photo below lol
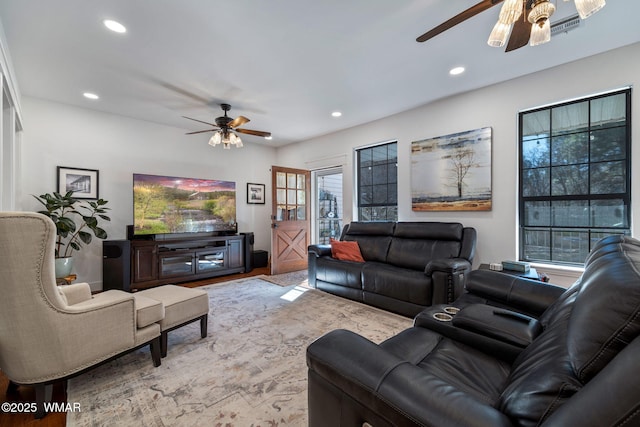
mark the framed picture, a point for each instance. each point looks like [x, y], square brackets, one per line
[452, 172]
[83, 182]
[255, 194]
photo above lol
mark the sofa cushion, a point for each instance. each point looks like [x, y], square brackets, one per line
[373, 238]
[346, 251]
[451, 361]
[343, 273]
[398, 283]
[415, 244]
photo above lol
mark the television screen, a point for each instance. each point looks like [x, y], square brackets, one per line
[167, 204]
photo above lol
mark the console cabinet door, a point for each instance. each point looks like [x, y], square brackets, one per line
[145, 263]
[235, 253]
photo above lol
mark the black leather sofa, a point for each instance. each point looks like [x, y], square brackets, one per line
[579, 369]
[408, 265]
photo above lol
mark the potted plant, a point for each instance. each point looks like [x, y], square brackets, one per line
[64, 210]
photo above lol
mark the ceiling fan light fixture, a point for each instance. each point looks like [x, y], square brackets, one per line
[510, 12]
[540, 33]
[541, 11]
[586, 8]
[499, 34]
[215, 139]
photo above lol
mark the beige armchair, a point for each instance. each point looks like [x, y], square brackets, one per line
[50, 333]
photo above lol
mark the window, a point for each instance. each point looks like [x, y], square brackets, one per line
[575, 177]
[377, 174]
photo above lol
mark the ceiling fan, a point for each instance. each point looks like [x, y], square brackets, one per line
[225, 129]
[526, 20]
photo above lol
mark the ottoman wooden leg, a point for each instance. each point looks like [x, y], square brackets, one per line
[204, 321]
[163, 343]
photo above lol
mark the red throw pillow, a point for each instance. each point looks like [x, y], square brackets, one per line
[346, 251]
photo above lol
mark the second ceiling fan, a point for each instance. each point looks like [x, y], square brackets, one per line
[520, 21]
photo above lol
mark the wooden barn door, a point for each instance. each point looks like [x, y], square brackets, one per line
[290, 223]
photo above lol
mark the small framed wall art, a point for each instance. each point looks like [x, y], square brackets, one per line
[83, 182]
[255, 194]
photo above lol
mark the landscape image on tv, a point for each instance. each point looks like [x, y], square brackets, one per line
[167, 204]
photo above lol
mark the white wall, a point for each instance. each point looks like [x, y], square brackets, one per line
[61, 135]
[495, 106]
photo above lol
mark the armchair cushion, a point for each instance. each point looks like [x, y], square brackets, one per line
[75, 293]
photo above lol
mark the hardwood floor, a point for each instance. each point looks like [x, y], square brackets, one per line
[59, 419]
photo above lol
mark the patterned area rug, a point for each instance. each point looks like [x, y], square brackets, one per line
[249, 371]
[298, 278]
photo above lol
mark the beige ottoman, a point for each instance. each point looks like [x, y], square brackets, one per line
[181, 306]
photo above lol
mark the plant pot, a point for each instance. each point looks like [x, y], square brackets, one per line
[63, 267]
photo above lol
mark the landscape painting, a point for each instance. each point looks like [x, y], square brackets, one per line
[452, 172]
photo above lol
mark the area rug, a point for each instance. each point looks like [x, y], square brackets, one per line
[249, 371]
[299, 278]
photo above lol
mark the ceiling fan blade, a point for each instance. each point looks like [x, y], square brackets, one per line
[519, 34]
[238, 121]
[461, 17]
[253, 132]
[201, 131]
[196, 120]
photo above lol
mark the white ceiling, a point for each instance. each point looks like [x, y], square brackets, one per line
[285, 64]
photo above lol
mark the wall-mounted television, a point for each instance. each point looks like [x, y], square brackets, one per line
[173, 205]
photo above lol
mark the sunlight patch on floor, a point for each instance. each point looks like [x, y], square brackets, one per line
[294, 293]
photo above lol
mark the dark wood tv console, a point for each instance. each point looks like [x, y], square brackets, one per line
[159, 262]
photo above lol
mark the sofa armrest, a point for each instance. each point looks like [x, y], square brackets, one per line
[447, 265]
[448, 276]
[530, 296]
[76, 292]
[320, 250]
[398, 391]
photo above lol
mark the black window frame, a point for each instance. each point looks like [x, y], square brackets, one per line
[594, 232]
[375, 206]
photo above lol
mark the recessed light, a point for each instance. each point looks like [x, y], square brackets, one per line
[336, 114]
[457, 70]
[268, 137]
[114, 26]
[90, 95]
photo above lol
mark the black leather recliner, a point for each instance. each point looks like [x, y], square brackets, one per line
[575, 363]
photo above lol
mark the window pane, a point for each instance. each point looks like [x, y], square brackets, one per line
[570, 246]
[535, 182]
[535, 124]
[301, 181]
[570, 118]
[608, 177]
[569, 180]
[366, 176]
[537, 245]
[366, 193]
[537, 213]
[281, 196]
[301, 213]
[608, 144]
[392, 193]
[609, 213]
[291, 180]
[573, 213]
[291, 197]
[380, 174]
[570, 149]
[380, 194]
[379, 154]
[392, 173]
[366, 157]
[281, 179]
[301, 197]
[609, 111]
[535, 153]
